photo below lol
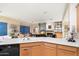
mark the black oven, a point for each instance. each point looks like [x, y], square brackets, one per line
[9, 50]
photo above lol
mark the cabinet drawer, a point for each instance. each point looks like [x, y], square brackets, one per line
[50, 45]
[67, 48]
[30, 44]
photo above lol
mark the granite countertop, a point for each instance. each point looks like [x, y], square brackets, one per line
[61, 41]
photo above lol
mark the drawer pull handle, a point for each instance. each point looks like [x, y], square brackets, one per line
[26, 48]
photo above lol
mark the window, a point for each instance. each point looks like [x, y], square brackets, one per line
[3, 29]
[24, 29]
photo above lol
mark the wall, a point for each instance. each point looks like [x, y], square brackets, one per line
[73, 16]
[65, 22]
[70, 19]
[9, 21]
[12, 21]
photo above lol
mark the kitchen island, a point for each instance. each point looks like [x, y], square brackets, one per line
[44, 46]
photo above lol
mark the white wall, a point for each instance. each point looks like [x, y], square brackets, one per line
[70, 18]
[73, 16]
[12, 21]
[65, 22]
[9, 21]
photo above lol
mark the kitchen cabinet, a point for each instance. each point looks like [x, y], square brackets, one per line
[78, 52]
[66, 51]
[59, 34]
[58, 26]
[36, 51]
[30, 49]
[49, 49]
[25, 51]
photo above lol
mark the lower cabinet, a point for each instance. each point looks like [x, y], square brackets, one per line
[31, 49]
[36, 50]
[25, 51]
[66, 51]
[47, 49]
[78, 52]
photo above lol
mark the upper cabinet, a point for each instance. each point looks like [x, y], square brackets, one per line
[58, 26]
[24, 29]
[3, 28]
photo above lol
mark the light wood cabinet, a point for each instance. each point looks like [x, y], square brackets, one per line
[30, 49]
[59, 34]
[66, 51]
[47, 49]
[36, 51]
[61, 52]
[25, 51]
[78, 52]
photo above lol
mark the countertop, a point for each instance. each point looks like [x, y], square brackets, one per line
[61, 41]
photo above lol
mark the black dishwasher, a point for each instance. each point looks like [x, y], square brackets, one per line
[9, 50]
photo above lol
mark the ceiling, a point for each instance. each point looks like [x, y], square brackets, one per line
[33, 12]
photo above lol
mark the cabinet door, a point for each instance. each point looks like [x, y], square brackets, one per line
[25, 51]
[78, 51]
[61, 52]
[49, 51]
[59, 34]
[36, 50]
[66, 50]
